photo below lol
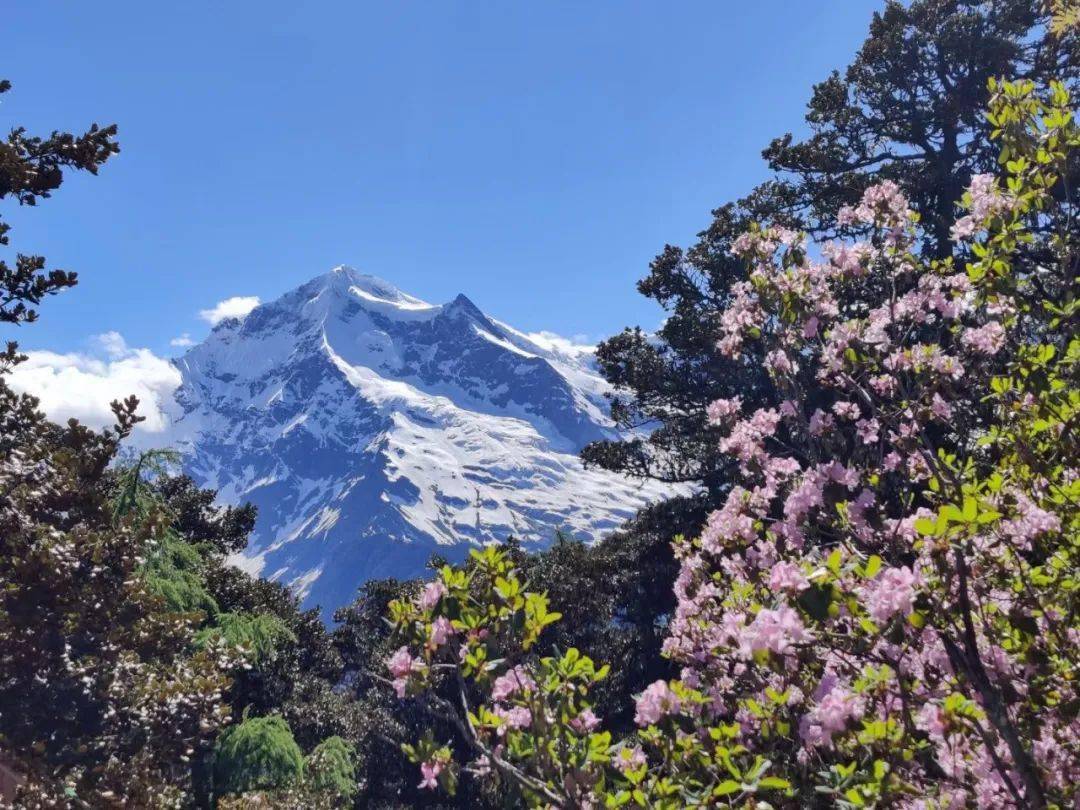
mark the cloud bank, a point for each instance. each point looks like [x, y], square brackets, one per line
[236, 307]
[81, 386]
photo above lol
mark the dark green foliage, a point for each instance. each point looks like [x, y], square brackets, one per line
[198, 518]
[614, 597]
[175, 573]
[332, 767]
[257, 754]
[260, 635]
[303, 660]
[31, 168]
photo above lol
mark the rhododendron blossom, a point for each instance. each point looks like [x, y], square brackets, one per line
[512, 682]
[629, 759]
[400, 663]
[429, 772]
[441, 631]
[721, 409]
[656, 701]
[890, 593]
[776, 630]
[430, 596]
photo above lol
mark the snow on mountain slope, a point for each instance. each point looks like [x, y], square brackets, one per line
[372, 429]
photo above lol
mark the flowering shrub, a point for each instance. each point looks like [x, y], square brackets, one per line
[885, 610]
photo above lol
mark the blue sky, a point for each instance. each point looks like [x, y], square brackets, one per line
[534, 155]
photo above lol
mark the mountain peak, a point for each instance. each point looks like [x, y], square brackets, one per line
[463, 305]
[371, 292]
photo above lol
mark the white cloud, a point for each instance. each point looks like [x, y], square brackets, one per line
[578, 344]
[236, 307]
[112, 343]
[83, 385]
[182, 342]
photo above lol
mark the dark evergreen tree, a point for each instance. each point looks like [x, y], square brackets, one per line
[31, 168]
[909, 108]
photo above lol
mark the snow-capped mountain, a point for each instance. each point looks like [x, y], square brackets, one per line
[372, 429]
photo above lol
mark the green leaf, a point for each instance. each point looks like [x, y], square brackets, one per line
[727, 787]
[775, 783]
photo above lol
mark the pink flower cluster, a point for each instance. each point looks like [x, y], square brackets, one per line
[883, 204]
[829, 479]
[890, 593]
[986, 201]
[431, 595]
[657, 701]
[834, 708]
[511, 683]
[429, 773]
[402, 664]
[777, 631]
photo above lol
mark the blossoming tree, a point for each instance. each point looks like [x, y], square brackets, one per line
[885, 610]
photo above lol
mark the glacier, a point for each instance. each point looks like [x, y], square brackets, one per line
[372, 430]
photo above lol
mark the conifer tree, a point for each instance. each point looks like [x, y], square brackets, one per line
[909, 108]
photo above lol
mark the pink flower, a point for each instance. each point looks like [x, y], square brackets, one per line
[820, 422]
[804, 497]
[932, 720]
[846, 410]
[1030, 522]
[883, 384]
[867, 430]
[882, 204]
[963, 229]
[512, 681]
[745, 441]
[743, 244]
[628, 759]
[515, 717]
[585, 722]
[847, 259]
[836, 705]
[776, 630]
[846, 476]
[779, 362]
[728, 523]
[441, 630]
[891, 592]
[400, 663]
[654, 703]
[787, 576]
[987, 199]
[429, 772]
[940, 408]
[432, 593]
[987, 339]
[721, 409]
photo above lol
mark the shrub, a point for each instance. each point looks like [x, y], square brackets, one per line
[257, 754]
[331, 767]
